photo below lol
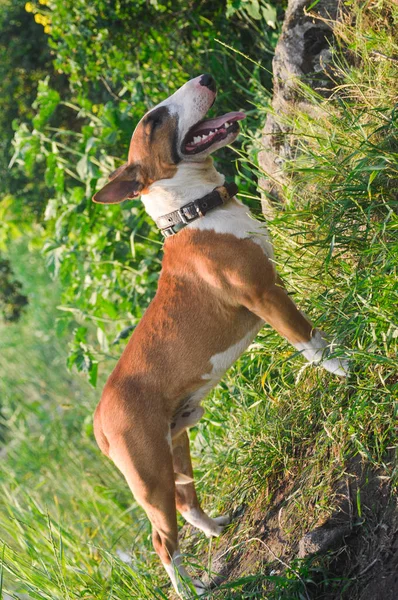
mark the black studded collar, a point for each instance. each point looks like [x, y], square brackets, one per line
[173, 222]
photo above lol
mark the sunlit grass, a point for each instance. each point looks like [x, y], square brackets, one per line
[69, 527]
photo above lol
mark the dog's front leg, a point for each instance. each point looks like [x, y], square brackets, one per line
[186, 499]
[276, 308]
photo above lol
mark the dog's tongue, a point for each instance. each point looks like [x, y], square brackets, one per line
[217, 122]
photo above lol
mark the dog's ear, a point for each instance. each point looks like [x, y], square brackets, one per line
[117, 172]
[124, 184]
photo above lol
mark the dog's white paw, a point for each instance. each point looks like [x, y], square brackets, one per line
[190, 589]
[187, 588]
[317, 350]
[200, 520]
[223, 520]
[218, 525]
[337, 366]
[200, 587]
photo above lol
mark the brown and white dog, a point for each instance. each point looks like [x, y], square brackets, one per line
[217, 287]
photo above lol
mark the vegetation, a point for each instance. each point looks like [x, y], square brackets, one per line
[74, 136]
[278, 438]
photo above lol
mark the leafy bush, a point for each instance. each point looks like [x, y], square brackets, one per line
[120, 59]
[25, 58]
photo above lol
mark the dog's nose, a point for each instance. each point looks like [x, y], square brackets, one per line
[208, 81]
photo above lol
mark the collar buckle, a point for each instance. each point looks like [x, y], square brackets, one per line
[173, 222]
[189, 213]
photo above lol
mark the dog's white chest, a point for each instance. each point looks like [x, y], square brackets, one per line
[222, 361]
[234, 218]
[191, 411]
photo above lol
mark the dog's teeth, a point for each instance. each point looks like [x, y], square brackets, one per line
[226, 124]
[204, 136]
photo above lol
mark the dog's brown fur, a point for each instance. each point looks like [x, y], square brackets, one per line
[214, 292]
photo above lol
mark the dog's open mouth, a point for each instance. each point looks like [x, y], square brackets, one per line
[206, 133]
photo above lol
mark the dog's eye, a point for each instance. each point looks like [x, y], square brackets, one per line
[157, 117]
[156, 121]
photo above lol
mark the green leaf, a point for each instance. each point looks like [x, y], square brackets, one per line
[59, 180]
[269, 15]
[253, 9]
[82, 168]
[102, 340]
[49, 176]
[51, 210]
[93, 373]
[46, 102]
[85, 168]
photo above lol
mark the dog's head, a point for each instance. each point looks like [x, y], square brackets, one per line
[171, 133]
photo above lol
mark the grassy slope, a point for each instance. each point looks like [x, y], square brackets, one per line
[276, 437]
[337, 248]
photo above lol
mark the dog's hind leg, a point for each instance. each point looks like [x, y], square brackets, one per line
[144, 456]
[186, 499]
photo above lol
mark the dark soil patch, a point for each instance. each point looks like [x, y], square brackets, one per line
[367, 563]
[361, 562]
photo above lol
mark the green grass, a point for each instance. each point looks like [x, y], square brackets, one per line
[276, 433]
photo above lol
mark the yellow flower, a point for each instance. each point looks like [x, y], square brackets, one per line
[42, 20]
[45, 2]
[95, 108]
[47, 29]
[29, 7]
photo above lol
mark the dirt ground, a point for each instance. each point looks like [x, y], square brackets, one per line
[352, 555]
